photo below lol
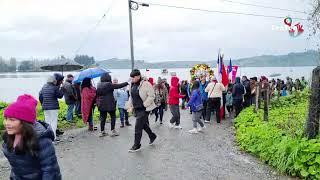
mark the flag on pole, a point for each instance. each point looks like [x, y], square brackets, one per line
[230, 67]
[223, 73]
[218, 67]
[223, 78]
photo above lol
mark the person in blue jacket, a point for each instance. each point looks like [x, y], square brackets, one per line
[204, 95]
[122, 97]
[190, 89]
[27, 143]
[196, 106]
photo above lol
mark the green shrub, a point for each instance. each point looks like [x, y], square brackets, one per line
[280, 141]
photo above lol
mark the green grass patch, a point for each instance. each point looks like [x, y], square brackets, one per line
[280, 142]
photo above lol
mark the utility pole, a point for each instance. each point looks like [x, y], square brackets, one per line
[131, 35]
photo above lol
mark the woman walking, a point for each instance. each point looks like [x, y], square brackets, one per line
[174, 97]
[28, 143]
[88, 94]
[214, 90]
[106, 103]
[161, 94]
[196, 106]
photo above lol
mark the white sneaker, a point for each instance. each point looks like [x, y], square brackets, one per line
[193, 131]
[171, 125]
[200, 129]
[206, 121]
[178, 127]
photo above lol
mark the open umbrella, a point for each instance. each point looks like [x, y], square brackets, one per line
[62, 64]
[90, 73]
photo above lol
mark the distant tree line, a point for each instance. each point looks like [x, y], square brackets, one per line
[84, 60]
[33, 65]
[8, 65]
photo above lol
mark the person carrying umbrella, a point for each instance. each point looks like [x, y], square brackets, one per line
[106, 102]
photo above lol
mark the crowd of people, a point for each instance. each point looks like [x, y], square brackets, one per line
[28, 142]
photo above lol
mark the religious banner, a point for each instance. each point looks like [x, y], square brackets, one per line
[233, 73]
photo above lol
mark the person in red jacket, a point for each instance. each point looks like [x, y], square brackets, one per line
[174, 103]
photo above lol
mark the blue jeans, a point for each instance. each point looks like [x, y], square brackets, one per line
[123, 115]
[77, 110]
[70, 112]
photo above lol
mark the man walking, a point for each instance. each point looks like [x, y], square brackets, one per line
[141, 101]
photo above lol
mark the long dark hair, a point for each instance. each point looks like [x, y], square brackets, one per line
[196, 84]
[28, 143]
[86, 83]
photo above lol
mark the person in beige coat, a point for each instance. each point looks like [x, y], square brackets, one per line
[214, 90]
[141, 102]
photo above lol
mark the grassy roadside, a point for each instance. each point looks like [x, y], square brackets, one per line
[280, 142]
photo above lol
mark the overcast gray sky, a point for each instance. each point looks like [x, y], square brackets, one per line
[46, 29]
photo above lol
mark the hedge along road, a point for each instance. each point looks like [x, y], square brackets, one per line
[176, 154]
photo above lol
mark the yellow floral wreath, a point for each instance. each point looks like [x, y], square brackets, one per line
[201, 70]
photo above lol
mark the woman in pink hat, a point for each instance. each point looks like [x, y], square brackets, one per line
[28, 143]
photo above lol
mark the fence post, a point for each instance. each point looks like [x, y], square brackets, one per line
[312, 124]
[257, 97]
[260, 95]
[266, 105]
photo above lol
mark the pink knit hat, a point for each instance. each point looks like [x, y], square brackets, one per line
[23, 109]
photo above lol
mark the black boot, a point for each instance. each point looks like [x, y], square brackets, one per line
[127, 123]
[59, 132]
[122, 125]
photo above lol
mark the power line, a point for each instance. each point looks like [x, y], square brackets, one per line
[85, 40]
[267, 7]
[216, 11]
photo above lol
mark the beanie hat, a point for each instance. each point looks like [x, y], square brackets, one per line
[264, 78]
[135, 72]
[23, 109]
[59, 77]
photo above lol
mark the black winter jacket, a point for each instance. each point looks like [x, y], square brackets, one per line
[238, 91]
[105, 98]
[44, 166]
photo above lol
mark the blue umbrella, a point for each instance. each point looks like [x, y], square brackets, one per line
[90, 73]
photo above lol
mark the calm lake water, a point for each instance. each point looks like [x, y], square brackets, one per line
[15, 84]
